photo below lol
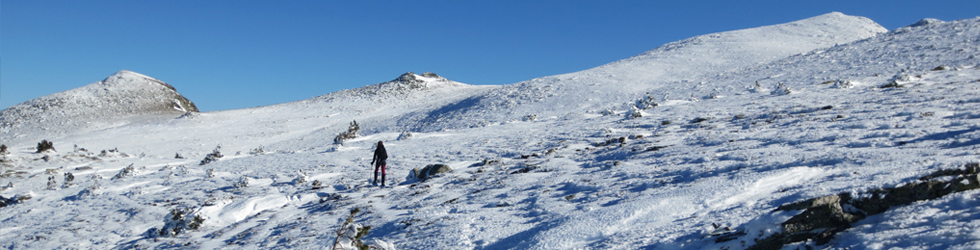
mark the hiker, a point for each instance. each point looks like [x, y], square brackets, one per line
[380, 156]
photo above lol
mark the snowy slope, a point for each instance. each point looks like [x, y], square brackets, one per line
[684, 69]
[569, 178]
[119, 96]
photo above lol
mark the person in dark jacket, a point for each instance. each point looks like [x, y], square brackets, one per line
[379, 161]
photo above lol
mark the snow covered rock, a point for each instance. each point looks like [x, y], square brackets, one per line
[430, 171]
[406, 83]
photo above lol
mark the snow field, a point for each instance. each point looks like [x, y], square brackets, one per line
[570, 178]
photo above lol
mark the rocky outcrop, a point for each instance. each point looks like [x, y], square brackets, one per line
[824, 217]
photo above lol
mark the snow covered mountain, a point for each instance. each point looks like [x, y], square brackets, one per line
[735, 140]
[680, 70]
[120, 95]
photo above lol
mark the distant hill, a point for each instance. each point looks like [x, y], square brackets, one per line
[122, 94]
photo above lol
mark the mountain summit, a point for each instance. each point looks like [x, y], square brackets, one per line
[121, 94]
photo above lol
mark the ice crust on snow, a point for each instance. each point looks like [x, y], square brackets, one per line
[716, 153]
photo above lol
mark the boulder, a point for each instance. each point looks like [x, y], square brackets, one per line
[429, 171]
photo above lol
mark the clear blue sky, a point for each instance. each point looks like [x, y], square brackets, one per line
[238, 54]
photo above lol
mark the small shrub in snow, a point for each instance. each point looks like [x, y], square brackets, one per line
[44, 146]
[349, 235]
[300, 179]
[781, 89]
[316, 184]
[87, 192]
[125, 172]
[634, 113]
[52, 183]
[178, 156]
[209, 173]
[694, 98]
[404, 136]
[213, 156]
[757, 88]
[351, 133]
[843, 84]
[242, 182]
[897, 80]
[3, 149]
[257, 151]
[179, 220]
[646, 102]
[69, 178]
[608, 112]
[530, 118]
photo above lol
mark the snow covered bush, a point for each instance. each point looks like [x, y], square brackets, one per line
[351, 133]
[213, 156]
[44, 146]
[179, 220]
[646, 102]
[843, 84]
[349, 235]
[209, 173]
[757, 88]
[257, 151]
[781, 89]
[69, 178]
[242, 182]
[125, 172]
[634, 113]
[898, 80]
[52, 183]
[300, 178]
[404, 136]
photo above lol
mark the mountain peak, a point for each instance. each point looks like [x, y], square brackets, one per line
[412, 81]
[121, 94]
[129, 77]
[418, 81]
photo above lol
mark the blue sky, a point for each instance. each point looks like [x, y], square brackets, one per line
[238, 54]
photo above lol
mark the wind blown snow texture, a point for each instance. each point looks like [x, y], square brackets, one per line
[537, 164]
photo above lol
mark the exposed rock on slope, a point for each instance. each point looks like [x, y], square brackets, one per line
[122, 94]
[403, 85]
